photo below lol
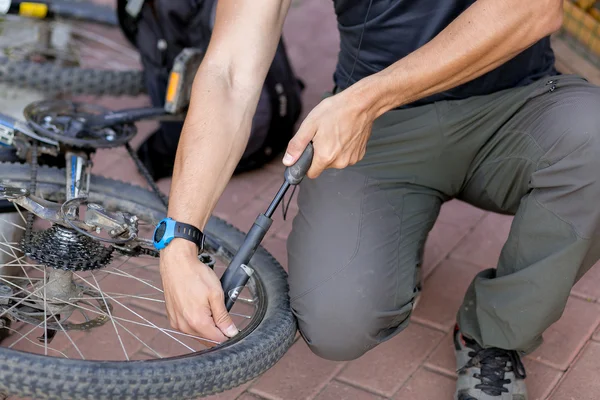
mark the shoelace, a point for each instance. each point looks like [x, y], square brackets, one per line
[493, 364]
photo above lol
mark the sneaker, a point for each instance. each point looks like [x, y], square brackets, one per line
[487, 374]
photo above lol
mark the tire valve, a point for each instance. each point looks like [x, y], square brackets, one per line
[245, 272]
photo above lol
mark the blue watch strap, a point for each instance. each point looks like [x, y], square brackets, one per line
[169, 229]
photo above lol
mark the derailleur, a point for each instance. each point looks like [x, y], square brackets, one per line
[121, 227]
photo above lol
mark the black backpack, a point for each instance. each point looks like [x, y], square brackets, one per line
[160, 30]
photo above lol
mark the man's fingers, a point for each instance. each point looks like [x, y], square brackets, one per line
[202, 325]
[221, 317]
[298, 143]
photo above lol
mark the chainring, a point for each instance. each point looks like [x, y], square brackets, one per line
[62, 121]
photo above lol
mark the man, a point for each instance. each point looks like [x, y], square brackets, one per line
[444, 99]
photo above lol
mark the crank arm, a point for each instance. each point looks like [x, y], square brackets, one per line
[123, 117]
[10, 126]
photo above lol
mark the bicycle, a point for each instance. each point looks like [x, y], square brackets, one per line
[77, 232]
[50, 46]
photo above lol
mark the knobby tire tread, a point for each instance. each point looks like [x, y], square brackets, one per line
[54, 79]
[186, 377]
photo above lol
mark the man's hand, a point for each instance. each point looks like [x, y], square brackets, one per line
[194, 298]
[339, 128]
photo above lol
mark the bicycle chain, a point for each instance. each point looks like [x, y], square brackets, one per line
[32, 188]
[144, 171]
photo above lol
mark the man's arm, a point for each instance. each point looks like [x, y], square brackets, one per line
[487, 34]
[224, 98]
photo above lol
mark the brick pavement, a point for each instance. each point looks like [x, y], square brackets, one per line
[418, 364]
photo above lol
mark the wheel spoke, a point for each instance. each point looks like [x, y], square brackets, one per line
[13, 224]
[140, 340]
[241, 315]
[153, 325]
[128, 296]
[99, 311]
[138, 279]
[31, 341]
[68, 337]
[19, 261]
[45, 319]
[111, 318]
[106, 271]
[25, 298]
[20, 213]
[25, 336]
[246, 300]
[20, 277]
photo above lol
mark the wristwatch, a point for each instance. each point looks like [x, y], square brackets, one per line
[168, 229]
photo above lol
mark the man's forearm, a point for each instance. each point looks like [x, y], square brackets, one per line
[213, 139]
[224, 97]
[483, 37]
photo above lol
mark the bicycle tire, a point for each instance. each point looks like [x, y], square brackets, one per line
[53, 79]
[185, 377]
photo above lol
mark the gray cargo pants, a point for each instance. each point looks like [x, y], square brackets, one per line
[358, 238]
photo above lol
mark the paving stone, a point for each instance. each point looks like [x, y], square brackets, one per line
[245, 217]
[241, 190]
[298, 375]
[24, 337]
[441, 240]
[384, 369]
[443, 293]
[337, 390]
[268, 193]
[541, 379]
[581, 381]
[102, 343]
[248, 396]
[458, 212]
[442, 359]
[236, 393]
[122, 169]
[589, 285]
[564, 339]
[427, 385]
[483, 245]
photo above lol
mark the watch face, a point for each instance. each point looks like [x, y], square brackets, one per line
[160, 232]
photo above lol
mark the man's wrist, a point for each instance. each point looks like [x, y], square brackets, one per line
[181, 247]
[377, 94]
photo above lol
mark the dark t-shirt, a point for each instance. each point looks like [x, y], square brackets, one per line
[395, 28]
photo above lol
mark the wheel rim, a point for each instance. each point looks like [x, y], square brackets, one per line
[75, 44]
[136, 322]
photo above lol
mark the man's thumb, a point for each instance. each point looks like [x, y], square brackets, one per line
[224, 321]
[297, 145]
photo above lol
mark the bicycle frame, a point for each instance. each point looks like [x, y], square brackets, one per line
[54, 9]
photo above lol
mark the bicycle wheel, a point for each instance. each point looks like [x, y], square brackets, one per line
[75, 364]
[79, 51]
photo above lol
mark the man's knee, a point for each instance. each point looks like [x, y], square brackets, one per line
[345, 329]
[569, 175]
